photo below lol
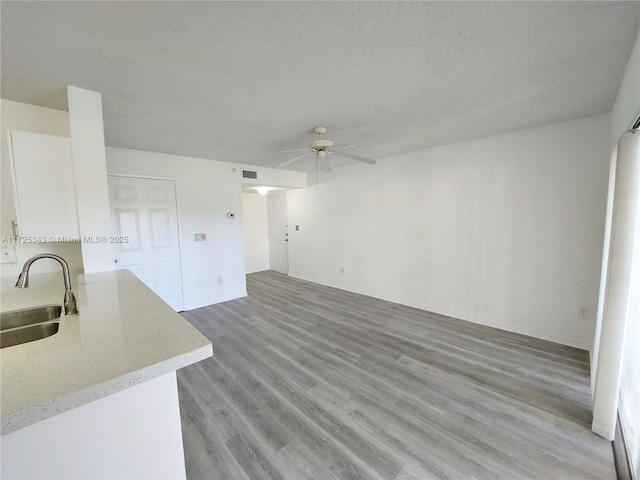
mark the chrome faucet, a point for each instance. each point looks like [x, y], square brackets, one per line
[70, 306]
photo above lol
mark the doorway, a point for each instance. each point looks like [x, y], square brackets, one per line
[278, 233]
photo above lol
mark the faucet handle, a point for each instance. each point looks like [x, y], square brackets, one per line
[70, 304]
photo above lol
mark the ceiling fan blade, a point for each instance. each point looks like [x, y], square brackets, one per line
[296, 150]
[293, 160]
[324, 164]
[356, 157]
[347, 145]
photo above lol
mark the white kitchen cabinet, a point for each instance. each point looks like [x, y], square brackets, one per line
[44, 187]
[99, 399]
[134, 433]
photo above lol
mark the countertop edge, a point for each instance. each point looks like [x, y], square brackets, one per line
[56, 406]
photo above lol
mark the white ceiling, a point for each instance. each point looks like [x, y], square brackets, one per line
[236, 81]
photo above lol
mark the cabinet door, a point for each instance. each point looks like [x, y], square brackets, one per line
[44, 187]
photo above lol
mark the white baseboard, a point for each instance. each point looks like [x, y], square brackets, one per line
[604, 430]
[453, 314]
[257, 270]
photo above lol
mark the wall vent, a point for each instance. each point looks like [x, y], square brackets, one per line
[249, 174]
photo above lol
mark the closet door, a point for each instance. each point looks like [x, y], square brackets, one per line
[145, 229]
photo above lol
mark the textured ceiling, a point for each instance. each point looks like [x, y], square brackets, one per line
[235, 81]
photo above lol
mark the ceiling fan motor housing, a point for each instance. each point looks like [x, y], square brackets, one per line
[320, 144]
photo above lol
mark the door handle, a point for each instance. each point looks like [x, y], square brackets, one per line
[115, 260]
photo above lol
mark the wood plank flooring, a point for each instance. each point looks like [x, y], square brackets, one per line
[308, 381]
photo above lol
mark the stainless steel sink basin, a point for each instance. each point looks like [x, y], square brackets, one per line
[28, 325]
[28, 334]
[22, 318]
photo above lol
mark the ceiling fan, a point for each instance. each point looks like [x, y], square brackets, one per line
[323, 147]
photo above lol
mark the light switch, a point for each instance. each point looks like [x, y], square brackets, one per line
[199, 237]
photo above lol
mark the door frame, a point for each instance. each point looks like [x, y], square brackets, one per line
[175, 183]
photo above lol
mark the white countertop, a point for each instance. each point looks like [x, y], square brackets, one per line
[124, 335]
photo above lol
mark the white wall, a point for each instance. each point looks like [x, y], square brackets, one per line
[275, 178]
[30, 118]
[90, 177]
[256, 233]
[504, 231]
[206, 190]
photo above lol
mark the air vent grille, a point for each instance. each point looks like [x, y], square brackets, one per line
[249, 174]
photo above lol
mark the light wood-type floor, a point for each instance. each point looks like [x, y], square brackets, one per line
[308, 381]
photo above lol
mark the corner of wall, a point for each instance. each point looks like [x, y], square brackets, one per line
[48, 121]
[627, 103]
[90, 176]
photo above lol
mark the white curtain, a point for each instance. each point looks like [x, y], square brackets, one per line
[621, 292]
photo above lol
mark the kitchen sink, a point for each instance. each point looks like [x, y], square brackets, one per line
[16, 336]
[23, 318]
[28, 325]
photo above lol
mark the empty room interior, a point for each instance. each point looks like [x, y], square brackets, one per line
[320, 240]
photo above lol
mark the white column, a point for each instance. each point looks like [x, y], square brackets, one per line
[623, 247]
[90, 178]
[604, 272]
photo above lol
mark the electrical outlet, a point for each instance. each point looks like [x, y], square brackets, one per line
[200, 237]
[341, 269]
[583, 313]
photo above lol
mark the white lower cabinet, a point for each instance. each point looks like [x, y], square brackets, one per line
[134, 433]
